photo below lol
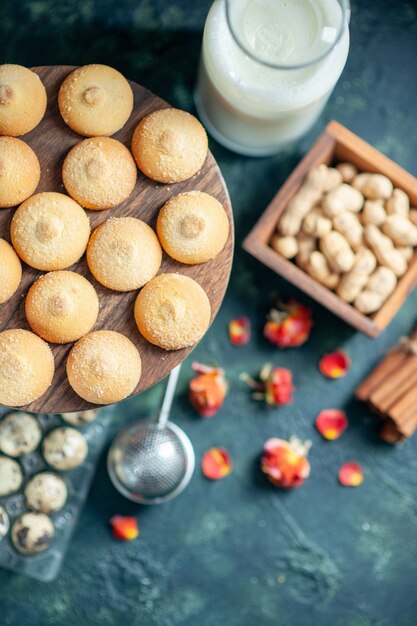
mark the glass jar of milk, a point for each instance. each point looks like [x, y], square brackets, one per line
[267, 69]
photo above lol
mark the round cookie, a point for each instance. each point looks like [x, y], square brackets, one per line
[65, 449]
[46, 493]
[11, 476]
[80, 418]
[50, 231]
[95, 100]
[10, 271]
[62, 306]
[172, 311]
[32, 533]
[192, 227]
[4, 523]
[19, 171]
[124, 253]
[26, 367]
[22, 100]
[104, 367]
[169, 145]
[99, 173]
[20, 434]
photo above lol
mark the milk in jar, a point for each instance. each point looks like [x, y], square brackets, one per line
[267, 69]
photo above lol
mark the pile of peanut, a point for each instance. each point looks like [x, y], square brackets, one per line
[352, 232]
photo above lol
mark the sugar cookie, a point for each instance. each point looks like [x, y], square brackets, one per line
[124, 253]
[104, 367]
[22, 100]
[50, 231]
[61, 307]
[192, 227]
[169, 145]
[95, 100]
[19, 171]
[99, 173]
[10, 271]
[26, 367]
[172, 311]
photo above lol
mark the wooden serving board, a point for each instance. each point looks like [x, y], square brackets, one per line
[51, 140]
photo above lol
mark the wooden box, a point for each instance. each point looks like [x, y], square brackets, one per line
[336, 144]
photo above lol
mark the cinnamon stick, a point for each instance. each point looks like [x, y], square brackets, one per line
[396, 385]
[391, 390]
[390, 434]
[408, 426]
[386, 367]
[405, 408]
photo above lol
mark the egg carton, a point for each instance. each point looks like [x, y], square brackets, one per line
[46, 565]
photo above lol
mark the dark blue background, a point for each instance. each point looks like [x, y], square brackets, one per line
[237, 552]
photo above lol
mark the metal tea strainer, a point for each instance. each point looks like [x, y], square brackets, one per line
[152, 461]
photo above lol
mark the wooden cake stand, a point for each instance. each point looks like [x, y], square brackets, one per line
[51, 141]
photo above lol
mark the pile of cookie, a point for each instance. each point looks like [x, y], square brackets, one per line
[352, 231]
[38, 496]
[51, 231]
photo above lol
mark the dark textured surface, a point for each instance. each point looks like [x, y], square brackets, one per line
[237, 552]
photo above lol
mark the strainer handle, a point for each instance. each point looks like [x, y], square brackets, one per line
[169, 396]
